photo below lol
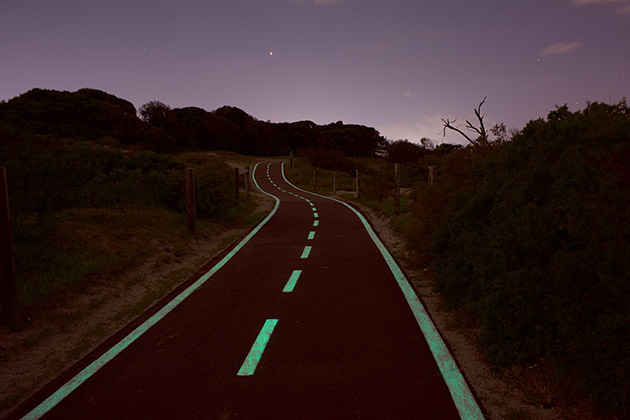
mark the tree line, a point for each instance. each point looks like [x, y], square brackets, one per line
[90, 114]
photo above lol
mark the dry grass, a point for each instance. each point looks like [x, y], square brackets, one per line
[134, 257]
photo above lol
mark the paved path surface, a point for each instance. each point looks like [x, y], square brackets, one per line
[305, 321]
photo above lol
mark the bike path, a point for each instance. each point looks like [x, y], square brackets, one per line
[258, 341]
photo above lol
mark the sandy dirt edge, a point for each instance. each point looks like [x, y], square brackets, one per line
[47, 346]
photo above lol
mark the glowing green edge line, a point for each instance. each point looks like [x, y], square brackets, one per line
[253, 357]
[457, 386]
[90, 370]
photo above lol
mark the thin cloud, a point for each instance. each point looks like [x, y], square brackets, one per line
[624, 5]
[315, 2]
[429, 126]
[583, 2]
[561, 47]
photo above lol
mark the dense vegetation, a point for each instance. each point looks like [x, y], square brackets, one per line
[535, 242]
[87, 114]
[63, 168]
[90, 114]
[49, 180]
[530, 238]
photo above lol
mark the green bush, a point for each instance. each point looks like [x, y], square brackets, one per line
[46, 180]
[329, 159]
[215, 191]
[535, 243]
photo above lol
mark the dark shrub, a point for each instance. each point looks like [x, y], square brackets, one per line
[536, 244]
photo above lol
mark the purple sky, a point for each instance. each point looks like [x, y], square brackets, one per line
[396, 65]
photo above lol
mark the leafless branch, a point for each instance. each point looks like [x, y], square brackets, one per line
[449, 124]
[473, 128]
[481, 130]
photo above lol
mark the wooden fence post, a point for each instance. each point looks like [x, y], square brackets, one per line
[236, 183]
[247, 184]
[334, 182]
[357, 182]
[397, 188]
[191, 204]
[9, 312]
[291, 158]
[314, 180]
[432, 175]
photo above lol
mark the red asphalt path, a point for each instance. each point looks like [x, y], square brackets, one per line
[346, 344]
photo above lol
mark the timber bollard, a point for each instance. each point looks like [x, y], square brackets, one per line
[247, 184]
[236, 183]
[334, 182]
[291, 158]
[9, 312]
[397, 188]
[191, 205]
[314, 180]
[432, 175]
[357, 182]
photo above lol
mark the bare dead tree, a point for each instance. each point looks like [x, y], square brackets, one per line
[481, 130]
[449, 124]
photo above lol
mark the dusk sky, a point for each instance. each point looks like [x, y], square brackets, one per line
[396, 65]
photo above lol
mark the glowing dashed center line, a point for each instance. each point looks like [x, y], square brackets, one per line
[306, 252]
[311, 235]
[251, 361]
[315, 215]
[314, 209]
[316, 223]
[288, 288]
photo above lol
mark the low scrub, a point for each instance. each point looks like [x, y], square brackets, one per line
[215, 191]
[328, 159]
[56, 186]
